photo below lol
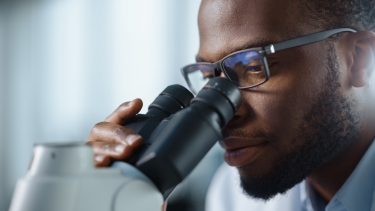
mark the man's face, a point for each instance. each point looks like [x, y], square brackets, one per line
[298, 119]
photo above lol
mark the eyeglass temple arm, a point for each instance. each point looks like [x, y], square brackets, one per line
[308, 39]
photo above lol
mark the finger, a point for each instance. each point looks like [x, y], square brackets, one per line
[113, 151]
[125, 111]
[112, 133]
[113, 141]
[101, 160]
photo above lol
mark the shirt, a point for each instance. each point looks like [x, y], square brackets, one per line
[356, 194]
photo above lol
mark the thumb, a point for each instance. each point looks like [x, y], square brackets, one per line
[125, 111]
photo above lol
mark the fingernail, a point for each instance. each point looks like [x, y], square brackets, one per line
[106, 147]
[120, 148]
[99, 158]
[131, 139]
[130, 103]
[126, 104]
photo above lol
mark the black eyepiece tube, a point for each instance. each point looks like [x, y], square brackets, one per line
[183, 139]
[172, 99]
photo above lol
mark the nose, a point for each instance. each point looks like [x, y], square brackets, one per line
[244, 115]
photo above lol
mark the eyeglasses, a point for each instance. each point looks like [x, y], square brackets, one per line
[248, 68]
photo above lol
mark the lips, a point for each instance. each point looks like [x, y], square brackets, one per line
[242, 151]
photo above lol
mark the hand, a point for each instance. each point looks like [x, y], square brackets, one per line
[110, 140]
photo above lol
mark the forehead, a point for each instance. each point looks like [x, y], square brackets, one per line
[227, 26]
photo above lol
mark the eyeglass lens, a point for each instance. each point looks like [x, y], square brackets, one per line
[245, 68]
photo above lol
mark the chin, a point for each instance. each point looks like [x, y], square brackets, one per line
[265, 179]
[266, 188]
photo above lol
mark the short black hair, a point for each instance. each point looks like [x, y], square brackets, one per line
[357, 14]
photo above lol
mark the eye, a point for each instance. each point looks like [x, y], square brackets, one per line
[254, 67]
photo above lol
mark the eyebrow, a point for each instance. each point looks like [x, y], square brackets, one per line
[257, 44]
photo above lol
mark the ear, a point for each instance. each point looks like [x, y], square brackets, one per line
[363, 57]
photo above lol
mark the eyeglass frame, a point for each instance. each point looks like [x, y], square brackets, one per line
[267, 50]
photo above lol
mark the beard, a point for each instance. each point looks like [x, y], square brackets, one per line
[327, 129]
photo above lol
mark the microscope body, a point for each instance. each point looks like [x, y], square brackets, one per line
[178, 134]
[54, 184]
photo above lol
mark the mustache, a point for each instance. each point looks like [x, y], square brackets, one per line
[246, 133]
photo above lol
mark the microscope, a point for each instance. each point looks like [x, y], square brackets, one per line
[178, 131]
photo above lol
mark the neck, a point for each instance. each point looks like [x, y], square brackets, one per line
[329, 177]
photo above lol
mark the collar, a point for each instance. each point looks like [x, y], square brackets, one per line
[357, 193]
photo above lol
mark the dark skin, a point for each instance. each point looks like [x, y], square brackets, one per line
[266, 125]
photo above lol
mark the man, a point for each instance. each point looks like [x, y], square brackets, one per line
[307, 116]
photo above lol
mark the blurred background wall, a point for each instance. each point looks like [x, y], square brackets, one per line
[66, 64]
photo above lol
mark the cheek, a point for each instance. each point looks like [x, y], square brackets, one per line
[281, 104]
[278, 114]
